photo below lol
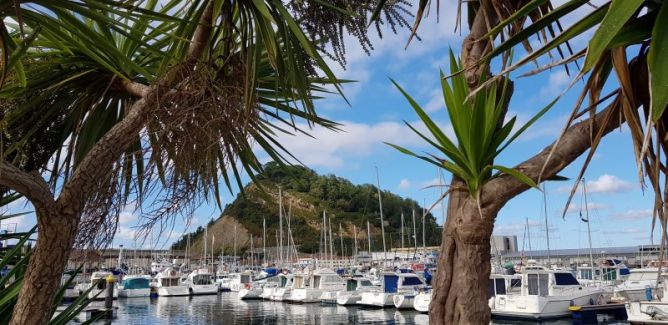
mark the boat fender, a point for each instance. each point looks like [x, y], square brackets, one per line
[600, 300]
[571, 303]
[247, 285]
[591, 301]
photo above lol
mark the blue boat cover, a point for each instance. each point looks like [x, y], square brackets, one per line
[271, 271]
[390, 283]
[136, 283]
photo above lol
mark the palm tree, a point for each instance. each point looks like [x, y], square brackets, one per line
[475, 194]
[159, 100]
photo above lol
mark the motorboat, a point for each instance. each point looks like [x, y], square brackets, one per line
[223, 280]
[135, 286]
[276, 283]
[404, 299]
[353, 293]
[297, 281]
[98, 285]
[169, 283]
[607, 273]
[422, 300]
[634, 288]
[544, 294]
[70, 291]
[649, 311]
[239, 280]
[200, 282]
[392, 284]
[320, 281]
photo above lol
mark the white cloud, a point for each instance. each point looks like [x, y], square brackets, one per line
[514, 228]
[603, 184]
[326, 148]
[591, 206]
[557, 83]
[404, 184]
[608, 184]
[633, 214]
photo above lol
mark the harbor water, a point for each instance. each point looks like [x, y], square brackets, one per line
[226, 308]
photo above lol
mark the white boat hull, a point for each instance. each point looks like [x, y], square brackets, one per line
[305, 295]
[647, 312]
[133, 293]
[422, 301]
[377, 299]
[251, 293]
[538, 307]
[100, 294]
[348, 298]
[173, 291]
[203, 289]
[268, 292]
[403, 301]
[328, 297]
[281, 294]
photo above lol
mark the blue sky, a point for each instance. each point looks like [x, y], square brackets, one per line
[619, 209]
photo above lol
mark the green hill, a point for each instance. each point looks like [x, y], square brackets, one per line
[305, 196]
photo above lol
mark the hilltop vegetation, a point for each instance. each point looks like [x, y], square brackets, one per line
[305, 196]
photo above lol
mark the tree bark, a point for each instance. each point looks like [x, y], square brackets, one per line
[49, 258]
[58, 221]
[460, 289]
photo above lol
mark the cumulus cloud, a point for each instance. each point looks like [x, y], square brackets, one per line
[609, 184]
[514, 228]
[603, 184]
[325, 148]
[404, 184]
[633, 214]
[592, 206]
[556, 83]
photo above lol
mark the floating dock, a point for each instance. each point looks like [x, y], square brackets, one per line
[589, 314]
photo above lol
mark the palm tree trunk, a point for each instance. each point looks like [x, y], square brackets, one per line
[57, 232]
[460, 289]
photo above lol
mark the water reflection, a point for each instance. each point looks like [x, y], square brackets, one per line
[227, 309]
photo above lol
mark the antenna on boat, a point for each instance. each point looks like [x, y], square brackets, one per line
[402, 230]
[264, 240]
[280, 225]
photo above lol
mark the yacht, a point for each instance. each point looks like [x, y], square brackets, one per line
[135, 286]
[200, 282]
[543, 294]
[320, 281]
[404, 299]
[392, 284]
[422, 301]
[256, 289]
[223, 280]
[649, 311]
[634, 288]
[98, 285]
[239, 280]
[297, 281]
[607, 272]
[353, 293]
[163, 264]
[71, 292]
[169, 283]
[276, 283]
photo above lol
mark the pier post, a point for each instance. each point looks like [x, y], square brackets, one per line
[109, 298]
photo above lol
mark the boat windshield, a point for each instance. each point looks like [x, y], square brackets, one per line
[639, 276]
[366, 283]
[411, 281]
[137, 283]
[565, 279]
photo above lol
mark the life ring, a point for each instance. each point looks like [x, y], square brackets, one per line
[247, 285]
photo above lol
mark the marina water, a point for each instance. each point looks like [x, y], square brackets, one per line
[226, 308]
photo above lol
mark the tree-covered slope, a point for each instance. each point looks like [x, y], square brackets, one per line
[305, 196]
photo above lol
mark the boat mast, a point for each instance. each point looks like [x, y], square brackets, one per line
[206, 240]
[341, 239]
[368, 236]
[382, 222]
[251, 252]
[264, 240]
[331, 240]
[402, 231]
[324, 232]
[355, 235]
[424, 241]
[414, 234]
[280, 225]
[547, 227]
[213, 240]
[236, 265]
[591, 254]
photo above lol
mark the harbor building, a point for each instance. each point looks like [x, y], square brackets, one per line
[632, 256]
